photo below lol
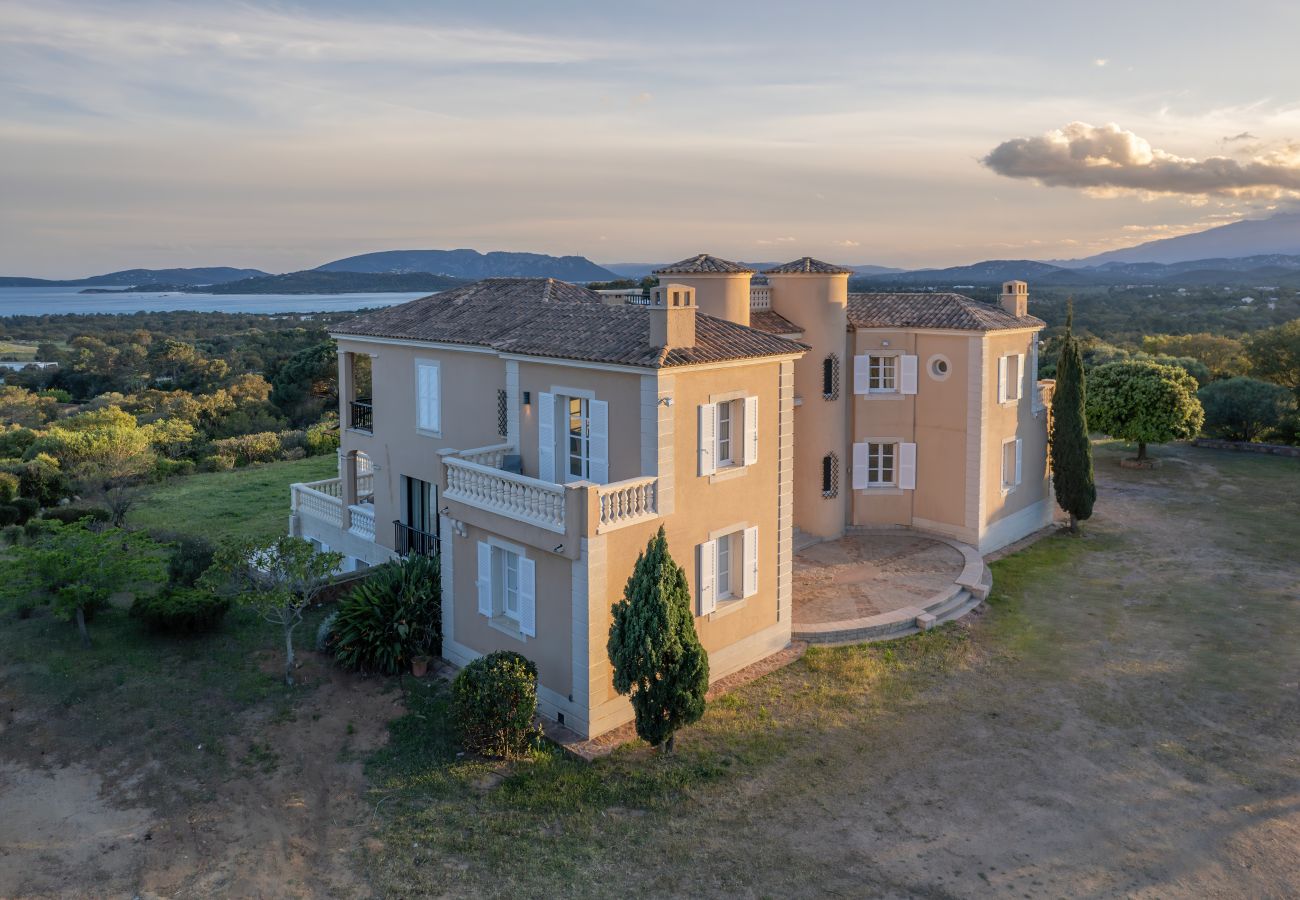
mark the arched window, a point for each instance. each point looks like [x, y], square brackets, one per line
[831, 378]
[830, 476]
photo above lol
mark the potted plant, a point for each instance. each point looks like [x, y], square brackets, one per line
[419, 666]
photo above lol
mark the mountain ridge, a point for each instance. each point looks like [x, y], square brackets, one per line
[472, 265]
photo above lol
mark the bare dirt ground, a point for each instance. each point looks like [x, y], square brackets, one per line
[281, 821]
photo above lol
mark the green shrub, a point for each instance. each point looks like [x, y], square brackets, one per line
[325, 633]
[264, 446]
[323, 437]
[166, 468]
[218, 462]
[8, 487]
[58, 394]
[16, 440]
[188, 558]
[9, 515]
[11, 534]
[41, 479]
[493, 701]
[181, 610]
[69, 514]
[26, 506]
[294, 453]
[394, 615]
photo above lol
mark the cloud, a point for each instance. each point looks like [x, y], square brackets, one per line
[846, 243]
[1106, 160]
[1101, 63]
[1244, 136]
[780, 240]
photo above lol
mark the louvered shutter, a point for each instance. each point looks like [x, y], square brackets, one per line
[908, 380]
[546, 437]
[907, 466]
[1002, 379]
[860, 467]
[427, 397]
[528, 597]
[598, 410]
[484, 582]
[861, 374]
[1017, 481]
[1020, 376]
[750, 575]
[708, 438]
[707, 587]
[751, 430]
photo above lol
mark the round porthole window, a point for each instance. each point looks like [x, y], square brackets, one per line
[940, 368]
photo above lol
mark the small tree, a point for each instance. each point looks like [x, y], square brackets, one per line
[279, 581]
[1274, 355]
[1244, 409]
[1070, 448]
[78, 567]
[656, 655]
[1143, 402]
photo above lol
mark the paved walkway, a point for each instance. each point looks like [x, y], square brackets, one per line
[870, 573]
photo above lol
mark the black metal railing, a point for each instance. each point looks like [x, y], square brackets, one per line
[407, 540]
[361, 415]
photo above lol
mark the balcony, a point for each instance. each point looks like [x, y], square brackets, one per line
[408, 540]
[361, 414]
[626, 503]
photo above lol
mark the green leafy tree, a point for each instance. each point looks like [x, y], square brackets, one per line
[656, 655]
[1275, 355]
[78, 567]
[1143, 402]
[1071, 450]
[279, 581]
[1244, 409]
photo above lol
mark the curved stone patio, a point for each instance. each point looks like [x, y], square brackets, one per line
[876, 584]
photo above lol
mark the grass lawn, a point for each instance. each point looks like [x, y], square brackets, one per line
[12, 351]
[1122, 719]
[251, 502]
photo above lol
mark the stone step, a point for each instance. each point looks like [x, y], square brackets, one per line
[907, 621]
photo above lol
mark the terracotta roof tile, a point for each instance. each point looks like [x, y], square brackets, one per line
[545, 317]
[932, 310]
[806, 265]
[703, 264]
[772, 322]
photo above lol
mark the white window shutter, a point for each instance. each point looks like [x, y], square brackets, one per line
[708, 577]
[751, 430]
[708, 438]
[861, 374]
[598, 410]
[1017, 481]
[427, 397]
[1002, 379]
[750, 575]
[484, 582]
[860, 467]
[908, 380]
[1020, 377]
[907, 466]
[528, 597]
[546, 437]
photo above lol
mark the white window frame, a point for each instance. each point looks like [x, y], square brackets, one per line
[1036, 396]
[503, 560]
[428, 410]
[725, 432]
[1011, 390]
[881, 368]
[727, 567]
[505, 565]
[1010, 484]
[583, 457]
[728, 434]
[876, 453]
[725, 563]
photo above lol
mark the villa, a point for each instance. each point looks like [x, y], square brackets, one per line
[536, 434]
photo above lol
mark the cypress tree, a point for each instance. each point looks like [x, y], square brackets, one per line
[656, 655]
[1071, 450]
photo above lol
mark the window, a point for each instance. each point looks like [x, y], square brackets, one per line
[940, 368]
[831, 378]
[428, 405]
[881, 377]
[830, 476]
[507, 583]
[503, 417]
[1034, 392]
[579, 440]
[1010, 463]
[728, 568]
[728, 434]
[880, 464]
[1011, 377]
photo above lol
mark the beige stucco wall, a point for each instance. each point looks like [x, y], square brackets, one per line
[818, 305]
[722, 295]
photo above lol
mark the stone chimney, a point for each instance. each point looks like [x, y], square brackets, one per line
[1015, 298]
[672, 316]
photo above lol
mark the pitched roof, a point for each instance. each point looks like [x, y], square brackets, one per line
[546, 317]
[806, 265]
[703, 264]
[932, 310]
[772, 322]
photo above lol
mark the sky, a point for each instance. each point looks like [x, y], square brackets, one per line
[284, 135]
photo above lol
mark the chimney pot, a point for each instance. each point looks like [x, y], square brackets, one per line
[1015, 298]
[672, 316]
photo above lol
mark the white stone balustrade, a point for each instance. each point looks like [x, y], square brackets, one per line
[627, 502]
[530, 500]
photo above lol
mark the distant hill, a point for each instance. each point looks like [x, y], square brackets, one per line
[187, 277]
[641, 270]
[1279, 234]
[311, 281]
[472, 265]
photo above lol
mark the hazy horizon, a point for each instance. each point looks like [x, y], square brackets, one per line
[281, 136]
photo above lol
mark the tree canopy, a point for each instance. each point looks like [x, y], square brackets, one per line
[1143, 402]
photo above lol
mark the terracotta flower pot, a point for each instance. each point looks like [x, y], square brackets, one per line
[419, 666]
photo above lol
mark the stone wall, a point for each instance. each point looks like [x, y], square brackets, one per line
[1247, 447]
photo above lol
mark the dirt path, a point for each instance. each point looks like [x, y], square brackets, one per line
[283, 822]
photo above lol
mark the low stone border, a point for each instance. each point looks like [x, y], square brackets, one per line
[1247, 447]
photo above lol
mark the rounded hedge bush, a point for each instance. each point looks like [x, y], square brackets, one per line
[393, 616]
[493, 701]
[181, 610]
[69, 514]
